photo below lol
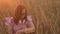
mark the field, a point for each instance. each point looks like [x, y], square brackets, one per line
[45, 14]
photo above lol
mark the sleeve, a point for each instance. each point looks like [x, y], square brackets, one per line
[8, 21]
[29, 18]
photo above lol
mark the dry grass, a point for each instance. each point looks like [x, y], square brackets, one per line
[45, 14]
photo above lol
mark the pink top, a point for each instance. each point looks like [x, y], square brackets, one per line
[9, 22]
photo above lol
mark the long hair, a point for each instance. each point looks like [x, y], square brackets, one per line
[17, 13]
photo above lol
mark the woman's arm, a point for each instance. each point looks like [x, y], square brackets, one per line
[30, 29]
[8, 24]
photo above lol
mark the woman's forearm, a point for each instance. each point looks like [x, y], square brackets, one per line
[26, 30]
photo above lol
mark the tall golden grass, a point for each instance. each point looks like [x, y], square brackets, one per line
[45, 15]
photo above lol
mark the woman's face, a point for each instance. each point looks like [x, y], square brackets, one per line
[22, 15]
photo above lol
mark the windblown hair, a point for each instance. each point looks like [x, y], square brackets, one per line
[18, 12]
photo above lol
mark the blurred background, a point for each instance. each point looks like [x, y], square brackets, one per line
[45, 14]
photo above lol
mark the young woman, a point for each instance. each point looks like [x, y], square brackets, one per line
[20, 23]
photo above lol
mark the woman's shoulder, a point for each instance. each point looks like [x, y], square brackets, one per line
[29, 18]
[8, 20]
